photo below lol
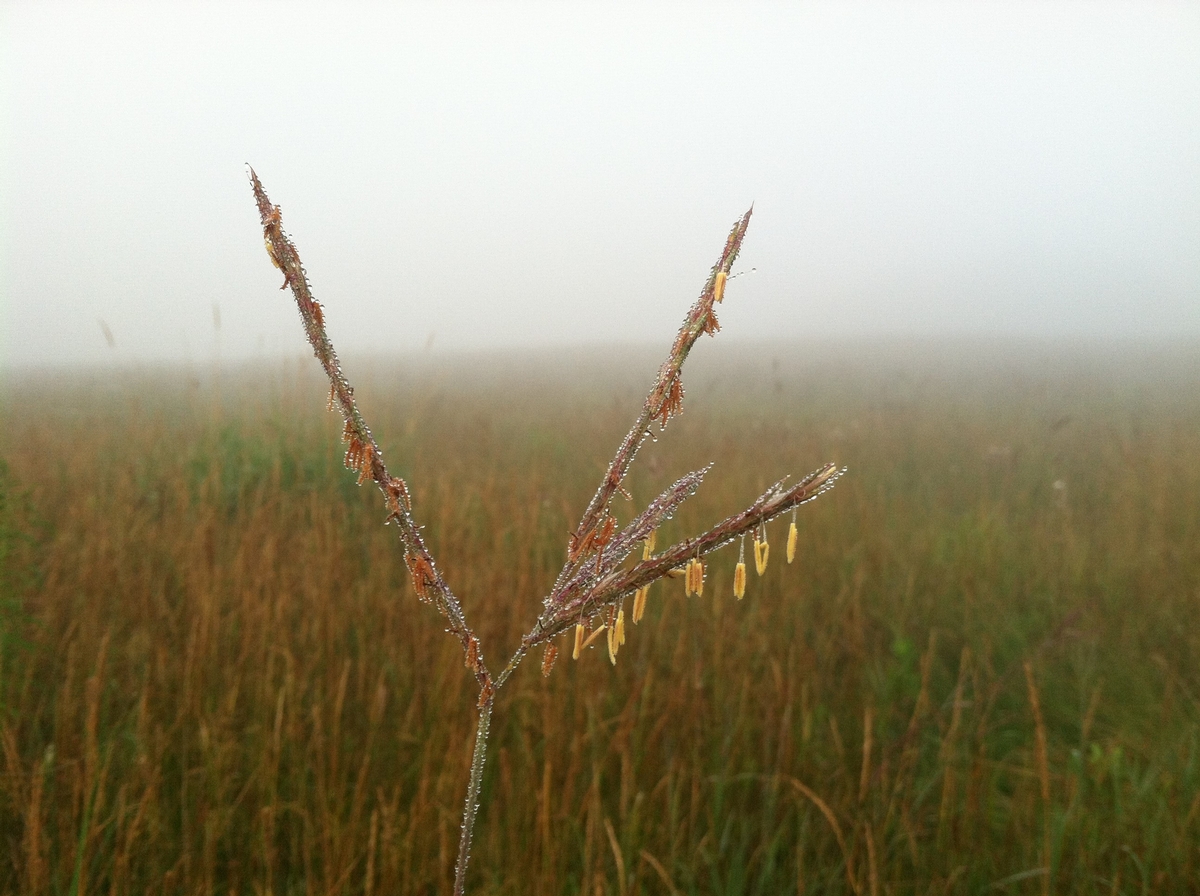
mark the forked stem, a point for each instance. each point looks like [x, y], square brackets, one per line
[478, 756]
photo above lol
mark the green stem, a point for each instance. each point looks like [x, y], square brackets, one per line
[472, 806]
[516, 659]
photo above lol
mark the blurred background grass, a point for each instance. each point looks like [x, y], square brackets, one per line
[215, 677]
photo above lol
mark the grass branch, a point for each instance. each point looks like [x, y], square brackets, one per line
[362, 454]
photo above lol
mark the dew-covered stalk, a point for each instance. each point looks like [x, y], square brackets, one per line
[471, 809]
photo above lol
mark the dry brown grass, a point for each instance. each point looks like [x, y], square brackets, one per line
[215, 677]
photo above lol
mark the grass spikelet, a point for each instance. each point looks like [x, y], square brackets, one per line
[364, 463]
[548, 658]
[421, 573]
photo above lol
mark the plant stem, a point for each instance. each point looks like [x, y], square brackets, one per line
[472, 806]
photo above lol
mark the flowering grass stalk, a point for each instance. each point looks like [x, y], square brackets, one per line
[597, 577]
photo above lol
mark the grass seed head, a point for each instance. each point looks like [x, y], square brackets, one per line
[364, 463]
[597, 591]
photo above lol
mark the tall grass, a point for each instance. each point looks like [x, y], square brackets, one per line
[215, 677]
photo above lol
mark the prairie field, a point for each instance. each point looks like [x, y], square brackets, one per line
[981, 674]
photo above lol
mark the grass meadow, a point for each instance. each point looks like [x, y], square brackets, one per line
[980, 674]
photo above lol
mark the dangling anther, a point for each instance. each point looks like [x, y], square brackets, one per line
[719, 286]
[611, 631]
[739, 572]
[639, 603]
[761, 550]
[696, 576]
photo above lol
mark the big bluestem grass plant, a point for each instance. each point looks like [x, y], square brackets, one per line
[603, 569]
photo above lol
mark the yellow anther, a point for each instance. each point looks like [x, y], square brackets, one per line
[687, 579]
[719, 286]
[620, 636]
[271, 252]
[578, 641]
[793, 537]
[698, 577]
[648, 550]
[587, 642]
[761, 552]
[639, 603]
[739, 580]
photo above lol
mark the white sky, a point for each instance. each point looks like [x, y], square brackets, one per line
[526, 175]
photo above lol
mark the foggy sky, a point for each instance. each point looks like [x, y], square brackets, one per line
[531, 175]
